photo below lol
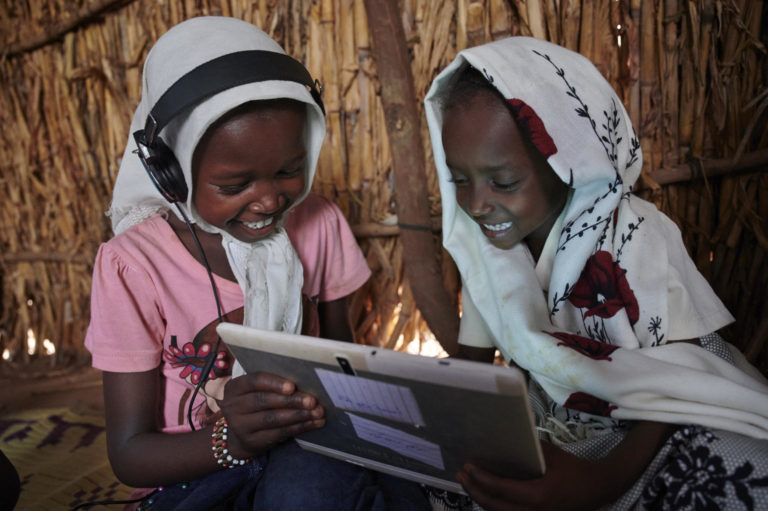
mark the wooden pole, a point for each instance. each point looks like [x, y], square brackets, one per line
[670, 88]
[421, 253]
[29, 42]
[756, 161]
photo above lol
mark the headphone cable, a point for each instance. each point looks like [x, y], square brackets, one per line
[211, 356]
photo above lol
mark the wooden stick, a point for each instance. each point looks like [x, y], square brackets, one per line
[55, 31]
[377, 229]
[55, 257]
[633, 41]
[688, 82]
[501, 19]
[570, 19]
[536, 20]
[586, 46]
[669, 81]
[421, 253]
[648, 123]
[475, 28]
[756, 161]
[700, 59]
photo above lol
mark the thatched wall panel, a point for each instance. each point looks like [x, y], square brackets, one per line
[692, 74]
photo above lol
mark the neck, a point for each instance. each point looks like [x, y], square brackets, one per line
[536, 246]
[538, 238]
[210, 242]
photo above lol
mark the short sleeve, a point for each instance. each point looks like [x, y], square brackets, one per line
[334, 265]
[694, 308]
[473, 330]
[126, 329]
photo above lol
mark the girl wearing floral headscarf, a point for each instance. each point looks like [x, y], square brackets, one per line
[590, 290]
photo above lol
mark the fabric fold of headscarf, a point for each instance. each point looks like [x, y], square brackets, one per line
[622, 284]
[269, 271]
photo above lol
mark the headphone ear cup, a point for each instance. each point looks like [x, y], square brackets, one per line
[165, 172]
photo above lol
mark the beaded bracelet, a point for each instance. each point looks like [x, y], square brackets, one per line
[220, 451]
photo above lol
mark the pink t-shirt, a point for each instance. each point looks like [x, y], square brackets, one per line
[152, 303]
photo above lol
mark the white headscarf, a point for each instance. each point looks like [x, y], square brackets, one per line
[268, 271]
[621, 283]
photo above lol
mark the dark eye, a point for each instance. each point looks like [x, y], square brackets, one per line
[506, 186]
[286, 174]
[230, 189]
[458, 180]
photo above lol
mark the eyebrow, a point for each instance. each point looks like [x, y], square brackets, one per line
[487, 169]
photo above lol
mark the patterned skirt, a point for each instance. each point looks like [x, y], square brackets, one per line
[696, 469]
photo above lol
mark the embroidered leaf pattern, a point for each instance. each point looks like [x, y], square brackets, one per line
[654, 327]
[583, 111]
[625, 237]
[571, 233]
[607, 133]
[557, 300]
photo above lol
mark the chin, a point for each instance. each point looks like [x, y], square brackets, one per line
[503, 244]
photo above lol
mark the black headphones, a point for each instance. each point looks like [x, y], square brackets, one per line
[214, 76]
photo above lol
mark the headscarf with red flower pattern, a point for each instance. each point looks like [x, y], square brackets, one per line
[622, 284]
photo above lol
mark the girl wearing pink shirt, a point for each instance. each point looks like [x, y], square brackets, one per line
[229, 129]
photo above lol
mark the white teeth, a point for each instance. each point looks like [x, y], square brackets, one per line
[498, 227]
[259, 225]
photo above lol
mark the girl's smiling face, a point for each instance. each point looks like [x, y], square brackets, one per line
[250, 167]
[502, 182]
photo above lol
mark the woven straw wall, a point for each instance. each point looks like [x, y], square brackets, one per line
[692, 74]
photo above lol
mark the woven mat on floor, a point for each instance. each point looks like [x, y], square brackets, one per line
[61, 458]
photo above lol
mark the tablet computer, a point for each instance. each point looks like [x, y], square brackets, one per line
[416, 417]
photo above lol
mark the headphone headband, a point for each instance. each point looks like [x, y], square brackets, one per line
[224, 73]
[205, 80]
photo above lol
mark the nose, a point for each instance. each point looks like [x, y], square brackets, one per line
[265, 198]
[475, 200]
